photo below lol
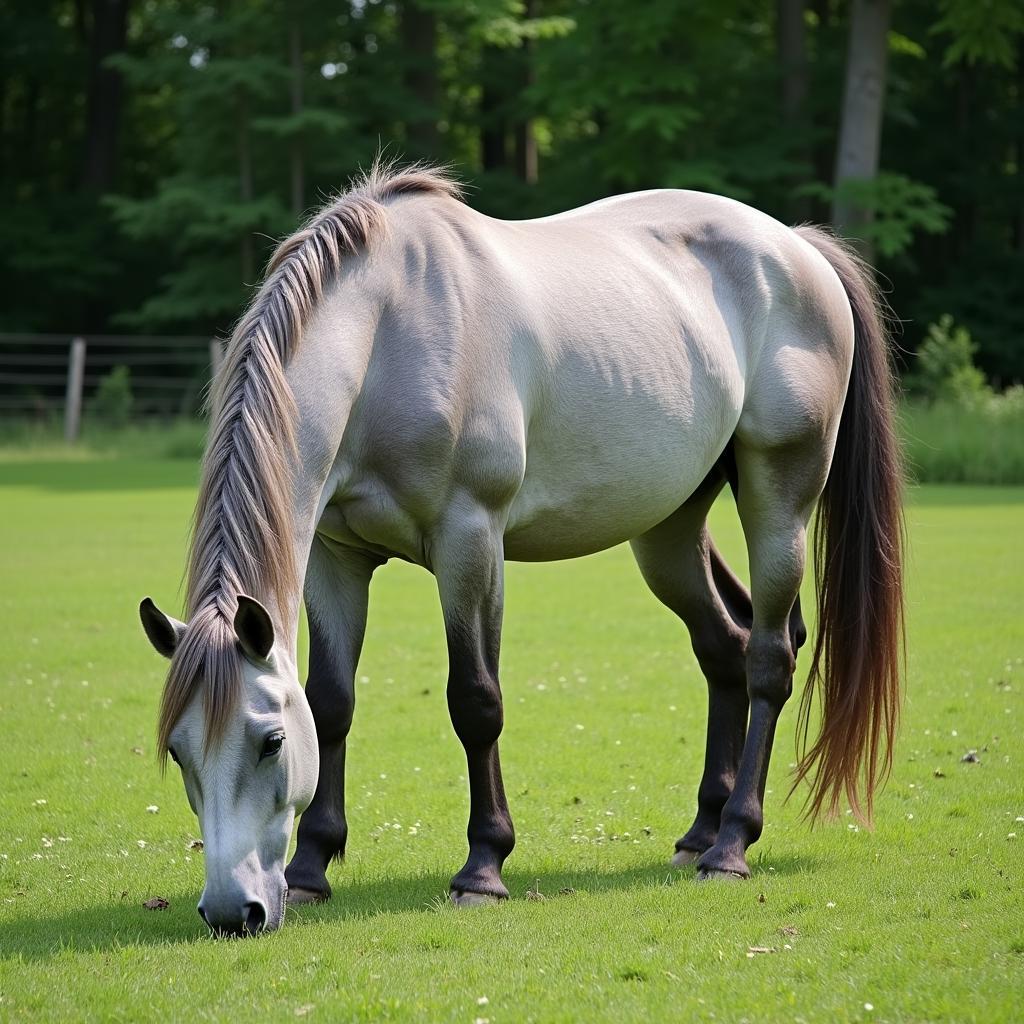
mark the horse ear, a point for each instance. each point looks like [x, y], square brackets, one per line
[164, 632]
[254, 628]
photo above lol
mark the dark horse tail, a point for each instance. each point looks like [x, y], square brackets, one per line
[858, 558]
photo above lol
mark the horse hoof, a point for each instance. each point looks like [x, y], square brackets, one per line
[297, 896]
[472, 899]
[684, 858]
[713, 875]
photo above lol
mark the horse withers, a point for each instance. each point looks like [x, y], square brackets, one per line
[415, 380]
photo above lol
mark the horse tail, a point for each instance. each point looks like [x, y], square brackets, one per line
[858, 557]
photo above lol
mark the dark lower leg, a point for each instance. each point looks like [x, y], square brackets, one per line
[728, 710]
[727, 722]
[719, 639]
[469, 566]
[330, 690]
[770, 673]
[474, 701]
[490, 832]
[323, 829]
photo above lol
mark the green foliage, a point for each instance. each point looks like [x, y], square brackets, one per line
[508, 31]
[113, 401]
[982, 30]
[956, 428]
[236, 119]
[945, 368]
[900, 209]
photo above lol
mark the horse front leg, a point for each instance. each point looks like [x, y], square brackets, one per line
[337, 594]
[468, 561]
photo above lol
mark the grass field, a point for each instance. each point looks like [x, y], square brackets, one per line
[920, 920]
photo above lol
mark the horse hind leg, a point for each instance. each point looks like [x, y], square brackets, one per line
[686, 573]
[777, 491]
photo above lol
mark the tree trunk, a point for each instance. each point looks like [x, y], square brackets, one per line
[792, 59]
[525, 140]
[494, 78]
[103, 118]
[823, 144]
[297, 164]
[419, 44]
[793, 68]
[30, 123]
[965, 211]
[860, 130]
[1019, 223]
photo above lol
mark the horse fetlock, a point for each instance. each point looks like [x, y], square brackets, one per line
[479, 880]
[297, 896]
[306, 875]
[703, 833]
[723, 859]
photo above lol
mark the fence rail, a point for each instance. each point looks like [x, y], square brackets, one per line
[46, 376]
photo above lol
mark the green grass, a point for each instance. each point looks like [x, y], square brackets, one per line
[923, 918]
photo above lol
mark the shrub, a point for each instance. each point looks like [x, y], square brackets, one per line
[112, 404]
[945, 366]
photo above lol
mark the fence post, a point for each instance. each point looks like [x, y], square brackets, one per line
[73, 397]
[216, 358]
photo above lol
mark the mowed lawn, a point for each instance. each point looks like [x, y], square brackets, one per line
[920, 920]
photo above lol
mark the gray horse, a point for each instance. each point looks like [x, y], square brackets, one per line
[415, 380]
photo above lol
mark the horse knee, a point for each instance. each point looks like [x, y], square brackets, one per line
[770, 666]
[332, 701]
[474, 703]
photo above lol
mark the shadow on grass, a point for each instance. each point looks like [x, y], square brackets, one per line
[114, 925]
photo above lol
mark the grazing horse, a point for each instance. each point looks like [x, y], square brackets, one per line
[415, 380]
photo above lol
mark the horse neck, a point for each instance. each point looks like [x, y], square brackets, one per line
[326, 376]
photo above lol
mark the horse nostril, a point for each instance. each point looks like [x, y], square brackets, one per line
[202, 914]
[256, 917]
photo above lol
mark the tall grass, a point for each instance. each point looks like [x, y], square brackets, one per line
[964, 444]
[44, 441]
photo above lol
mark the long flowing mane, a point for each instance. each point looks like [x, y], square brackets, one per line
[243, 538]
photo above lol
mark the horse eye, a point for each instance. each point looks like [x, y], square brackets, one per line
[174, 756]
[272, 744]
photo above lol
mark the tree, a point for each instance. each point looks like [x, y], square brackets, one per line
[419, 43]
[791, 31]
[860, 129]
[208, 127]
[108, 33]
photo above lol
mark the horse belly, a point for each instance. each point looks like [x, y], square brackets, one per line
[603, 471]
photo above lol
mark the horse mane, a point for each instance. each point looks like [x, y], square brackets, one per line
[243, 537]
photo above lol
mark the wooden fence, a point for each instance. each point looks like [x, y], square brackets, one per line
[46, 377]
